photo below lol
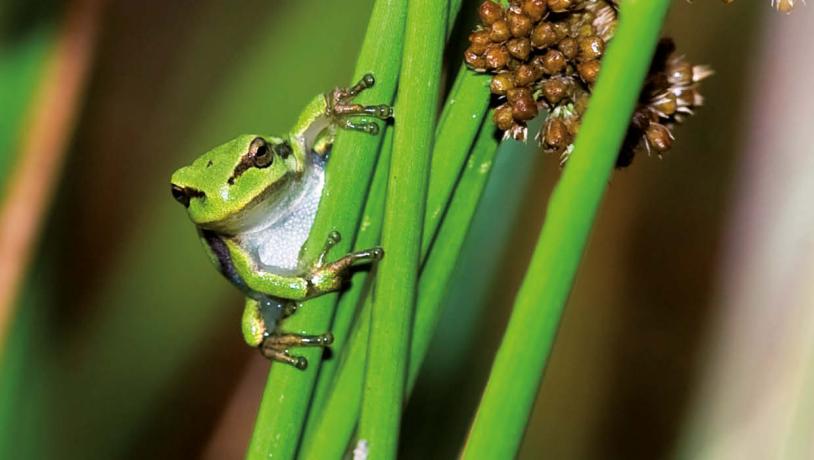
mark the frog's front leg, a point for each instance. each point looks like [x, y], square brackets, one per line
[340, 107]
[326, 277]
[319, 278]
[319, 121]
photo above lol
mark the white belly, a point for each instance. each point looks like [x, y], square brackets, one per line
[276, 248]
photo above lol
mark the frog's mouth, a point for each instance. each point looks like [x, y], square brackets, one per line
[183, 195]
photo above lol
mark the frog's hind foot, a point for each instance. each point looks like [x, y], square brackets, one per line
[340, 107]
[275, 347]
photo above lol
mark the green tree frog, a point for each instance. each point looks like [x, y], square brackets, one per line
[254, 200]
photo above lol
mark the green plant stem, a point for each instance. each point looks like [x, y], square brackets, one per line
[394, 298]
[440, 262]
[348, 307]
[518, 368]
[370, 227]
[284, 406]
[334, 426]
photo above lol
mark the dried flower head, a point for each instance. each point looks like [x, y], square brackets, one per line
[545, 56]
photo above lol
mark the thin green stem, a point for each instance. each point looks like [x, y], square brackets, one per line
[518, 368]
[394, 298]
[346, 311]
[440, 262]
[370, 229]
[284, 406]
[335, 424]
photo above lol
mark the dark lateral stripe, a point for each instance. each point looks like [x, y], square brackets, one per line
[227, 268]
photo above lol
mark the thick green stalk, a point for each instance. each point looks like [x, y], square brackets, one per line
[518, 368]
[288, 392]
[335, 425]
[395, 295]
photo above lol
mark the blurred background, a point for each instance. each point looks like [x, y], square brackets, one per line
[689, 333]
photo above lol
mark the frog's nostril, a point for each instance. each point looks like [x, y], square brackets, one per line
[180, 194]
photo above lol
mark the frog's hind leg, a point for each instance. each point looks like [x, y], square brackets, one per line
[275, 347]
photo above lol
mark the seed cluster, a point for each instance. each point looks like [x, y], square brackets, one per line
[545, 55]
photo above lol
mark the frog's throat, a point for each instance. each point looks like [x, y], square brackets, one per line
[265, 205]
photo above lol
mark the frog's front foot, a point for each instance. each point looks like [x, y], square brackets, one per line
[275, 347]
[329, 276]
[340, 107]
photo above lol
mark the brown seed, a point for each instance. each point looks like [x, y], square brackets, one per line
[665, 104]
[496, 56]
[524, 108]
[479, 40]
[555, 135]
[475, 60]
[687, 98]
[659, 138]
[499, 32]
[591, 48]
[588, 71]
[543, 35]
[561, 29]
[490, 12]
[519, 48]
[559, 6]
[526, 74]
[503, 117]
[501, 83]
[679, 72]
[515, 94]
[519, 24]
[555, 90]
[586, 30]
[534, 9]
[553, 62]
[569, 47]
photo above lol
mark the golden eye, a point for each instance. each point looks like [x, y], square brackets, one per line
[260, 153]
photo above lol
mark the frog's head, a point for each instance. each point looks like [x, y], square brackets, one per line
[226, 182]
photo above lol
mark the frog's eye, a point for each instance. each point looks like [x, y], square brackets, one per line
[261, 154]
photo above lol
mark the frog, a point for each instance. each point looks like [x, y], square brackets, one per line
[253, 201]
